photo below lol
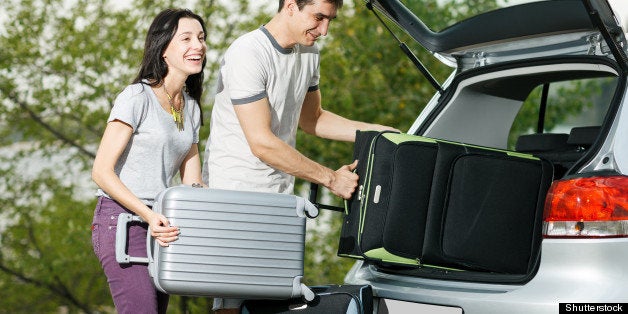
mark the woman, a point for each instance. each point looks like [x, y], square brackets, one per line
[151, 134]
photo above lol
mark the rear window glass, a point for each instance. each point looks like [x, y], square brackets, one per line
[569, 104]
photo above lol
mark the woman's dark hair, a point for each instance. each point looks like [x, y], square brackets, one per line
[154, 68]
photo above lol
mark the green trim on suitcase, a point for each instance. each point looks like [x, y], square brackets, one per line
[351, 256]
[441, 267]
[367, 188]
[399, 138]
[507, 152]
[385, 256]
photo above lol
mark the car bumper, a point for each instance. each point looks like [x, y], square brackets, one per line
[571, 271]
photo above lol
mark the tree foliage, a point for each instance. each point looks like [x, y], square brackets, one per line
[62, 64]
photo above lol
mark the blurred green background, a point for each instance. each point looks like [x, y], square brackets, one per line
[62, 64]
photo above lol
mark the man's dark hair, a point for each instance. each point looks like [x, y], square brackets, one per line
[302, 3]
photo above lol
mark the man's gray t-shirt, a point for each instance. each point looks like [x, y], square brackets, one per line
[156, 148]
[254, 67]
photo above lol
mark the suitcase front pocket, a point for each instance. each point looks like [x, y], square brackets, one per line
[491, 212]
[397, 199]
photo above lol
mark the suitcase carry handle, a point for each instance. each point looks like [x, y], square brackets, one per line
[121, 235]
[314, 196]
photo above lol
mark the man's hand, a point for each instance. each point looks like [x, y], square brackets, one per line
[345, 181]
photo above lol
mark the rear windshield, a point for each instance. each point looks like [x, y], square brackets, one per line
[569, 104]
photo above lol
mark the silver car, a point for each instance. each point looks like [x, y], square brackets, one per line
[547, 78]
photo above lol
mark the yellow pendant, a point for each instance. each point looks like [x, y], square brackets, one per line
[177, 117]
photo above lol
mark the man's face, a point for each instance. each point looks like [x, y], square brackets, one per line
[311, 22]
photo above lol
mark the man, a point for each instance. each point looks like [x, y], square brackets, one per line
[268, 86]
[269, 83]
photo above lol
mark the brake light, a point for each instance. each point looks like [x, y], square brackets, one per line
[587, 207]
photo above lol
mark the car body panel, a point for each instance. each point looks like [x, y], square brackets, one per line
[613, 153]
[554, 283]
[564, 28]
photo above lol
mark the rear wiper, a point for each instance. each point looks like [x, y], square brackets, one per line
[408, 52]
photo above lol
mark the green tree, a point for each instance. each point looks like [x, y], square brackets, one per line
[61, 65]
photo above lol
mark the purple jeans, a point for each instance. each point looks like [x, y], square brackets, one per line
[131, 287]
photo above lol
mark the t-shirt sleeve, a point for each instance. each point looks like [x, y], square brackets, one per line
[314, 81]
[245, 74]
[130, 106]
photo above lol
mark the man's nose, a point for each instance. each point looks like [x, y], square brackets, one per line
[323, 27]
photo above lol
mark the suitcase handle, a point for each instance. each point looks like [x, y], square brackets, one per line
[306, 208]
[121, 235]
[314, 196]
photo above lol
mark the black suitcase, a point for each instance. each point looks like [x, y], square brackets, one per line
[437, 203]
[349, 299]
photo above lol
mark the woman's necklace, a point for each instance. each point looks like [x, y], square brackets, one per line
[176, 114]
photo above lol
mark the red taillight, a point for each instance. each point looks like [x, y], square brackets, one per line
[587, 207]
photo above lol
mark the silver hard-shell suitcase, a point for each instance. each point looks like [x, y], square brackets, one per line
[233, 244]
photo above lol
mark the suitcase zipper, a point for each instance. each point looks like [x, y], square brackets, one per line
[367, 186]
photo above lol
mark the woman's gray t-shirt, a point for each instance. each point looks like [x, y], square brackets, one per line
[156, 148]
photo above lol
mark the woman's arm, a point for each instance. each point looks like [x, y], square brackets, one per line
[112, 144]
[190, 170]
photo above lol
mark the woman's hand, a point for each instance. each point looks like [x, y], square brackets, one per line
[161, 230]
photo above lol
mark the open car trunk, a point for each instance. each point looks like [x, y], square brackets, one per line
[473, 210]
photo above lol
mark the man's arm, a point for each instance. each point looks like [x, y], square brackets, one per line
[316, 121]
[255, 120]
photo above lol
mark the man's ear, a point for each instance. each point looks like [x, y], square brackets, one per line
[291, 6]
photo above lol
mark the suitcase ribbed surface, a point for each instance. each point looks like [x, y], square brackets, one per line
[231, 244]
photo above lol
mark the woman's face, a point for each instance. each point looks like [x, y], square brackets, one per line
[186, 51]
